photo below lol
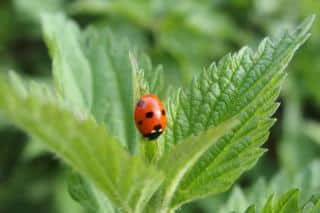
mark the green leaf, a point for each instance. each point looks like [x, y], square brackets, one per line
[306, 181]
[312, 205]
[267, 208]
[251, 209]
[183, 157]
[87, 195]
[80, 191]
[71, 69]
[147, 79]
[287, 202]
[316, 207]
[245, 84]
[92, 73]
[84, 145]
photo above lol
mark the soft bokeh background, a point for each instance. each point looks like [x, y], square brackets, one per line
[183, 36]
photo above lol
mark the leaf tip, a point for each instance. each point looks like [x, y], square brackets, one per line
[304, 28]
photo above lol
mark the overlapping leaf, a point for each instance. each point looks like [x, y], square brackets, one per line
[184, 156]
[289, 202]
[93, 76]
[285, 203]
[83, 144]
[88, 195]
[305, 181]
[245, 84]
[92, 72]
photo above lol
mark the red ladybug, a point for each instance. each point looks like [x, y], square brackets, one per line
[150, 116]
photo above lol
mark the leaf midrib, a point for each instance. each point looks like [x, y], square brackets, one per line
[229, 144]
[257, 81]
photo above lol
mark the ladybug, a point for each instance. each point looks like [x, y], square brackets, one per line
[150, 116]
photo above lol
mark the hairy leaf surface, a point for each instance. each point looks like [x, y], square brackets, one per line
[246, 84]
[287, 203]
[92, 72]
[83, 144]
[181, 159]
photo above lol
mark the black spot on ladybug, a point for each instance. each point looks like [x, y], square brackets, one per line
[163, 112]
[140, 122]
[156, 132]
[149, 114]
[157, 127]
[154, 135]
[140, 103]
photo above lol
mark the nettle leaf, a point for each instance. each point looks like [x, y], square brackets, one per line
[306, 181]
[245, 84]
[147, 79]
[92, 72]
[287, 202]
[251, 209]
[312, 205]
[81, 192]
[88, 195]
[83, 144]
[177, 163]
[71, 69]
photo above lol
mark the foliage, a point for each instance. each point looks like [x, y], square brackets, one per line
[80, 123]
[288, 202]
[184, 38]
[305, 181]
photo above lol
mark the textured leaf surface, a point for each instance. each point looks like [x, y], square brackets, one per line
[147, 79]
[84, 145]
[92, 72]
[286, 203]
[181, 159]
[87, 195]
[245, 84]
[289, 202]
[251, 209]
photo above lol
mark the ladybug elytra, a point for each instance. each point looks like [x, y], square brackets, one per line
[150, 116]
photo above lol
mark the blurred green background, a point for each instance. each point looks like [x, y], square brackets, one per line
[183, 36]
